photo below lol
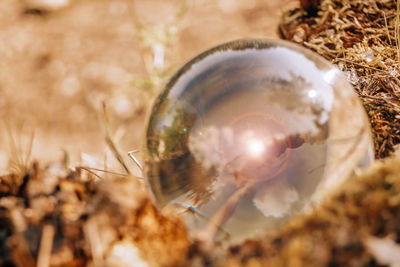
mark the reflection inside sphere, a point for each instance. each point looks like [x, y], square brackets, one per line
[257, 129]
[255, 147]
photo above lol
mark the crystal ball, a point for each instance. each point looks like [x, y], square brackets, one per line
[250, 133]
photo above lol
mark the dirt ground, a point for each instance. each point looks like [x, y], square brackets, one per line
[59, 64]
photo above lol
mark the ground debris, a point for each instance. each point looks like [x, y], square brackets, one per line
[58, 217]
[53, 216]
[114, 223]
[362, 39]
[340, 232]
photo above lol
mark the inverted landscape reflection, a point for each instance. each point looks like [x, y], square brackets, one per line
[255, 130]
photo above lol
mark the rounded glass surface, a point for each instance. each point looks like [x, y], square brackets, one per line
[251, 132]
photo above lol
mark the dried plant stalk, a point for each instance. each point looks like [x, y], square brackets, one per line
[362, 39]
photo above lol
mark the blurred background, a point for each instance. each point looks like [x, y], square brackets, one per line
[64, 62]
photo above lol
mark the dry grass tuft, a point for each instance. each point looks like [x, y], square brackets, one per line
[339, 232]
[62, 217]
[362, 39]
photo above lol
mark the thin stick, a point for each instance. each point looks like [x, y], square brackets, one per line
[46, 245]
[361, 65]
[89, 171]
[92, 234]
[387, 29]
[100, 170]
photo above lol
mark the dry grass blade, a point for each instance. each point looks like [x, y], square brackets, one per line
[109, 140]
[397, 31]
[387, 29]
[357, 37]
[91, 170]
[78, 168]
[104, 124]
[20, 150]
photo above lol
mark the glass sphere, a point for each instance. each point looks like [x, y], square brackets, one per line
[250, 133]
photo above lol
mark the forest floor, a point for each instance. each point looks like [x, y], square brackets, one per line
[66, 72]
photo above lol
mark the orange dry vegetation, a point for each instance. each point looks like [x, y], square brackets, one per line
[362, 39]
[59, 66]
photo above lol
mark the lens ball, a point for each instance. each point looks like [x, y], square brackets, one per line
[250, 133]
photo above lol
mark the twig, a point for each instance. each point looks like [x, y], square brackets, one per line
[92, 234]
[46, 245]
[89, 169]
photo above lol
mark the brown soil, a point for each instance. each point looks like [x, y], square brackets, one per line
[58, 67]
